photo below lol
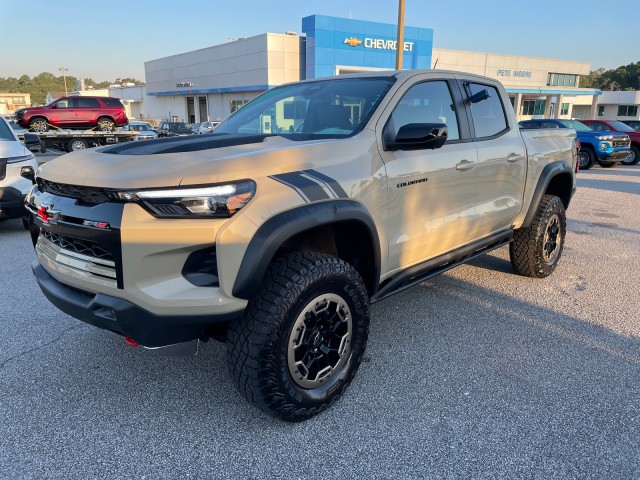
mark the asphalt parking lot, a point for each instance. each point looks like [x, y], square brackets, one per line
[478, 373]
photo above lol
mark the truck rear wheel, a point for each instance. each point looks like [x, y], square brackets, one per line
[587, 158]
[536, 250]
[302, 338]
[634, 156]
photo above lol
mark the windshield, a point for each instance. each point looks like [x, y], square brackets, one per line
[334, 108]
[178, 126]
[621, 127]
[576, 125]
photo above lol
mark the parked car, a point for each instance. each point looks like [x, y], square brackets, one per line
[635, 124]
[195, 127]
[608, 149]
[174, 129]
[144, 129]
[103, 113]
[207, 127]
[17, 170]
[617, 126]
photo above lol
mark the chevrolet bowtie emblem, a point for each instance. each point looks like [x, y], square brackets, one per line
[352, 41]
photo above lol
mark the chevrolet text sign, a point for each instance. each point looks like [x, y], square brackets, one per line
[378, 43]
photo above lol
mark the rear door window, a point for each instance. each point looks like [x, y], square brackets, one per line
[86, 103]
[487, 112]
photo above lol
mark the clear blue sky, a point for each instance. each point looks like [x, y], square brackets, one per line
[109, 40]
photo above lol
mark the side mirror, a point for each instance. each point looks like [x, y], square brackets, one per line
[32, 142]
[419, 136]
[29, 174]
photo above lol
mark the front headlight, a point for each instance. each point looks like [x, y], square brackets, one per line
[604, 138]
[21, 158]
[220, 201]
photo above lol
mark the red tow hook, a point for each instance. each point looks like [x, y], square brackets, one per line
[131, 342]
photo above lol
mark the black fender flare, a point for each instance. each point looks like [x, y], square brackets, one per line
[272, 234]
[548, 173]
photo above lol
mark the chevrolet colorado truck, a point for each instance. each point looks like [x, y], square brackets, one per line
[276, 232]
[608, 149]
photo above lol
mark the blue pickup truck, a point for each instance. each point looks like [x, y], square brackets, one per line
[608, 149]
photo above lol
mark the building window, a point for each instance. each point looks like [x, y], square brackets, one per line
[236, 104]
[627, 110]
[562, 80]
[601, 110]
[533, 107]
[565, 109]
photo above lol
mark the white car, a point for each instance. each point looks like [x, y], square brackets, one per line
[17, 169]
[207, 127]
[144, 129]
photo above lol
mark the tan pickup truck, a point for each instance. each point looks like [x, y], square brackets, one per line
[276, 232]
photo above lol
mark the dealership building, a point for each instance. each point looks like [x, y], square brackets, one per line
[210, 83]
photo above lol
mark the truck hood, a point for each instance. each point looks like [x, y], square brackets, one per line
[194, 160]
[11, 148]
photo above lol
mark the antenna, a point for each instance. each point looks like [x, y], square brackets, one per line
[435, 64]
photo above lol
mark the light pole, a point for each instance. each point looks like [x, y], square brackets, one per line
[400, 43]
[64, 71]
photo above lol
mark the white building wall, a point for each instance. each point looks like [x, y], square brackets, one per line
[237, 70]
[612, 100]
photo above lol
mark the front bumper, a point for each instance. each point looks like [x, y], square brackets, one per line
[11, 203]
[123, 317]
[613, 155]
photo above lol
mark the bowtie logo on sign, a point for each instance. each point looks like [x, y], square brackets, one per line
[352, 41]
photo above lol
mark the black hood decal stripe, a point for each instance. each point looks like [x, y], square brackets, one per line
[191, 143]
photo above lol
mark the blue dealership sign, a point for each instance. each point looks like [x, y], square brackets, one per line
[341, 44]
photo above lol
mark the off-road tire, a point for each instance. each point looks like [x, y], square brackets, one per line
[38, 124]
[634, 156]
[260, 345]
[608, 164]
[536, 250]
[105, 124]
[586, 158]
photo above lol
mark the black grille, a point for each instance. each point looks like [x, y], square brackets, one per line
[88, 195]
[621, 143]
[3, 168]
[85, 247]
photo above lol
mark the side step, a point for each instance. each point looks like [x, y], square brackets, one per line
[419, 273]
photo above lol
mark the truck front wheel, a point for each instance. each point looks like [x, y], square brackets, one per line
[536, 250]
[587, 158]
[76, 144]
[302, 338]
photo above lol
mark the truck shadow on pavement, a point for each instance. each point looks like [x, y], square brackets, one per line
[453, 371]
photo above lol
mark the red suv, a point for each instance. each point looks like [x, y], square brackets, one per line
[105, 113]
[617, 126]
